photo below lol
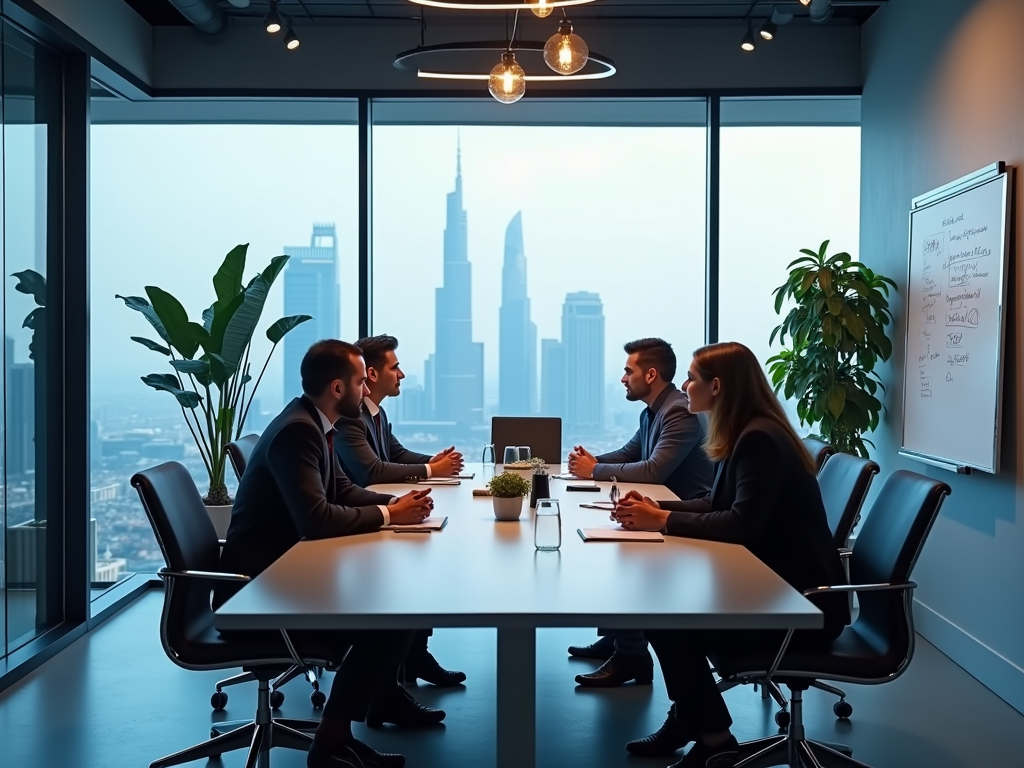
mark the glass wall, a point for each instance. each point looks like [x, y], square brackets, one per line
[168, 201]
[30, 555]
[513, 260]
[790, 179]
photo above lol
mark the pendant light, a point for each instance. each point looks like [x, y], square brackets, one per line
[748, 39]
[565, 52]
[541, 8]
[507, 82]
[272, 22]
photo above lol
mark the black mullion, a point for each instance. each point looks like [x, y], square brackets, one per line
[365, 214]
[713, 170]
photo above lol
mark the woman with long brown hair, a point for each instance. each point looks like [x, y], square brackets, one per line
[765, 497]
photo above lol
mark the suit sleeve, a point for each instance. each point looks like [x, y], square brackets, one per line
[759, 471]
[629, 452]
[402, 455]
[358, 457]
[294, 458]
[680, 434]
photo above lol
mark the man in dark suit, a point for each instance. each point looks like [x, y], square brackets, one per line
[370, 453]
[666, 450]
[294, 488]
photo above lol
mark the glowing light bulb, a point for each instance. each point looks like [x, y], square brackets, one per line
[565, 52]
[507, 82]
[541, 8]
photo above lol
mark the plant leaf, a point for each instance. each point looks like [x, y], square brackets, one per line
[148, 344]
[240, 327]
[32, 283]
[168, 383]
[191, 366]
[208, 315]
[277, 331]
[274, 269]
[174, 319]
[228, 280]
[141, 305]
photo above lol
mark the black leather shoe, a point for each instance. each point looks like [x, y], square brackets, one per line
[701, 756]
[424, 666]
[620, 669]
[371, 758]
[401, 709]
[663, 742]
[601, 650]
[321, 757]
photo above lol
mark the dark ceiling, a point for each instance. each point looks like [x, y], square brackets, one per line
[163, 13]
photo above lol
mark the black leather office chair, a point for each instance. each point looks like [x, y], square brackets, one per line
[820, 451]
[874, 649]
[189, 545]
[239, 452]
[543, 434]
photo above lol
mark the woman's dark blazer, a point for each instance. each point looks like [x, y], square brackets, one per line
[764, 498]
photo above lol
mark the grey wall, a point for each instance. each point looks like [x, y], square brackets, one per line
[944, 96]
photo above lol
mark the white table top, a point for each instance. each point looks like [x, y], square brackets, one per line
[478, 572]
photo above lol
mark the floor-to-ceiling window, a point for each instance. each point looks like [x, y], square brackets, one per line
[30, 554]
[790, 179]
[172, 192]
[515, 251]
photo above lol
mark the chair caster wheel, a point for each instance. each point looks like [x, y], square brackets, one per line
[842, 709]
[318, 699]
[276, 699]
[782, 718]
[218, 701]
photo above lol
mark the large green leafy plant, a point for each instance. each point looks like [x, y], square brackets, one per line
[210, 359]
[836, 334]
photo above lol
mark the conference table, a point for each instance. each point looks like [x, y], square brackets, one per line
[478, 572]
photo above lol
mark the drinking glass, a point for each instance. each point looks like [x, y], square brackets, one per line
[488, 457]
[613, 494]
[547, 528]
[511, 454]
[524, 453]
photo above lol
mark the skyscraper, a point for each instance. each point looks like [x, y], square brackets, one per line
[583, 340]
[20, 386]
[310, 288]
[458, 376]
[552, 378]
[517, 334]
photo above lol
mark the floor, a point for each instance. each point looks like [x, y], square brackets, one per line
[113, 700]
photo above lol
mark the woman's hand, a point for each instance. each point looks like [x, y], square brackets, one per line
[640, 514]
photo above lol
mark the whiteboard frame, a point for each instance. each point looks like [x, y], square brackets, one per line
[999, 170]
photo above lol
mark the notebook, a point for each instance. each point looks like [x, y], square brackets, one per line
[614, 533]
[429, 525]
[607, 506]
[439, 481]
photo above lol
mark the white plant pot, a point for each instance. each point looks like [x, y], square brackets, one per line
[507, 509]
[220, 515]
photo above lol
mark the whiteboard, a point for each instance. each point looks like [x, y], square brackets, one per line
[956, 290]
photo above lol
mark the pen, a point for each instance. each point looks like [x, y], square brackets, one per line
[406, 530]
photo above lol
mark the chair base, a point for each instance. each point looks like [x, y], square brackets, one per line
[258, 736]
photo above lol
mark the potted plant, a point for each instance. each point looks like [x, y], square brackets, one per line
[837, 336]
[507, 492]
[211, 377]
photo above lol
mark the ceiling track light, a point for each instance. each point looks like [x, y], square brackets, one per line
[768, 30]
[820, 10]
[272, 21]
[748, 39]
[291, 40]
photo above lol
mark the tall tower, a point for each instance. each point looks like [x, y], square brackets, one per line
[517, 335]
[310, 288]
[458, 380]
[552, 378]
[19, 379]
[583, 339]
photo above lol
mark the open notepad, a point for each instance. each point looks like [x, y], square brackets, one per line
[427, 526]
[614, 533]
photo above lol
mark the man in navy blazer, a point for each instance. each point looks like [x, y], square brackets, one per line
[370, 453]
[666, 450]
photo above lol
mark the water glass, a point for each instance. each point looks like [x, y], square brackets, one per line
[488, 457]
[511, 454]
[524, 453]
[547, 530]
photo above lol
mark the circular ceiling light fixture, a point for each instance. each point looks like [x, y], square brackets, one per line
[540, 8]
[565, 52]
[468, 61]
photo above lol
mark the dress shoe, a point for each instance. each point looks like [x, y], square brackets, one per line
[620, 669]
[700, 755]
[371, 758]
[401, 709]
[424, 666]
[670, 738]
[601, 650]
[322, 757]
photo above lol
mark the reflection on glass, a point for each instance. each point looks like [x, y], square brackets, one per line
[511, 454]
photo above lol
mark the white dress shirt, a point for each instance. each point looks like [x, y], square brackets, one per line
[328, 426]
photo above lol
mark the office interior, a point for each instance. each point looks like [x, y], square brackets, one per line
[853, 116]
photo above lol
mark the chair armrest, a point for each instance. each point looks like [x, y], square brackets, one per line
[845, 552]
[213, 575]
[860, 588]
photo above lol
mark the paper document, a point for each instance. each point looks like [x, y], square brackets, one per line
[470, 476]
[428, 525]
[617, 534]
[439, 481]
[583, 480]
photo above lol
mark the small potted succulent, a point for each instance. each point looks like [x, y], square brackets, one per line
[507, 492]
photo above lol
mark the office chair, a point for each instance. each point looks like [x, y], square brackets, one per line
[189, 545]
[874, 649]
[239, 452]
[543, 435]
[820, 451]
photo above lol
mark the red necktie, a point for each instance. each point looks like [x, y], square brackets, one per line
[330, 445]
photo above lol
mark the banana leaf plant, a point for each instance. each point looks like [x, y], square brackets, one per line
[211, 377]
[837, 335]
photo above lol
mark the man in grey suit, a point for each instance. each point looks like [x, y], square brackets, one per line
[666, 450]
[370, 453]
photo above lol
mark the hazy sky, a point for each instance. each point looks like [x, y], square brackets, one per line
[619, 211]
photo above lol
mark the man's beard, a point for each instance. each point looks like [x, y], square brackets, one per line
[349, 408]
[632, 395]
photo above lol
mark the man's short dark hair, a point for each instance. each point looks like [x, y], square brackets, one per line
[375, 348]
[656, 354]
[326, 361]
